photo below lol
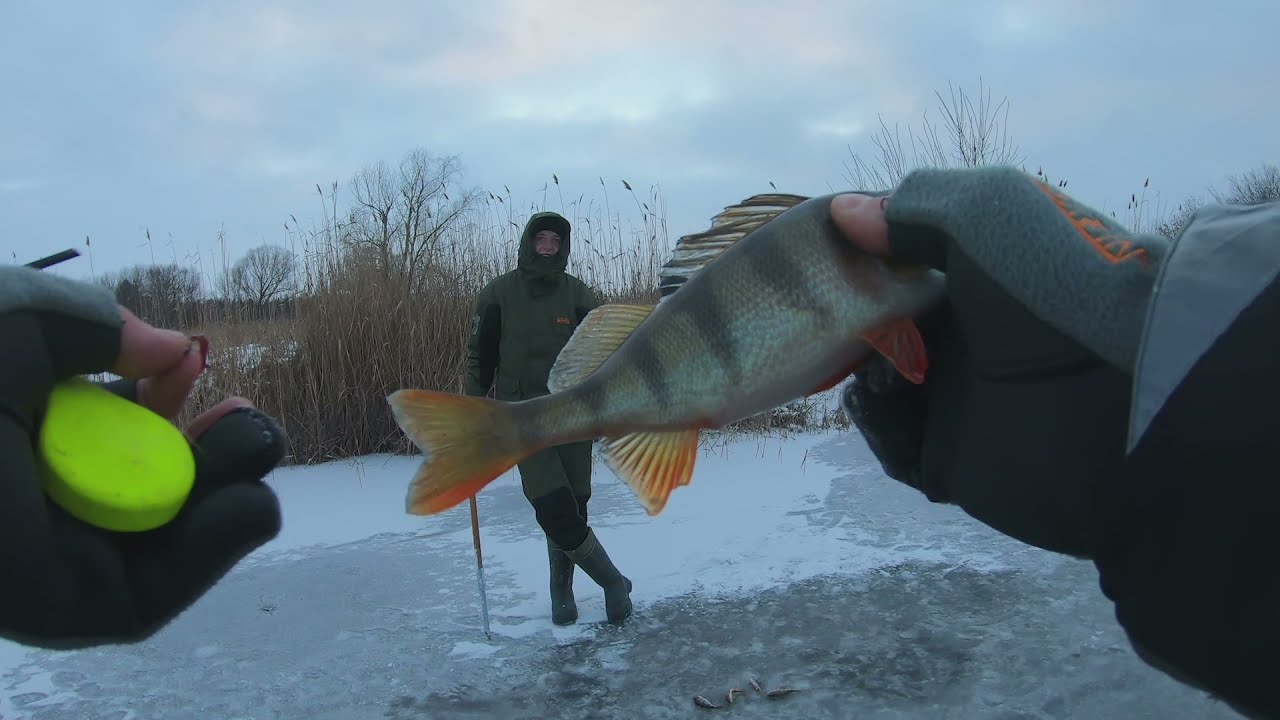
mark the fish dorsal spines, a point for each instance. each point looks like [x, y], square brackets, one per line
[601, 333]
[694, 252]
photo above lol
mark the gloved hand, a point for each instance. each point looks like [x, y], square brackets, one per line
[69, 584]
[1024, 409]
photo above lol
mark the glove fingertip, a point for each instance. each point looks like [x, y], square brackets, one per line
[245, 443]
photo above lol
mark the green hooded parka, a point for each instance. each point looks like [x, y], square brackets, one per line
[523, 318]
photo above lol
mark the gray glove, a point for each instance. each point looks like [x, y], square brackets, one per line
[1025, 405]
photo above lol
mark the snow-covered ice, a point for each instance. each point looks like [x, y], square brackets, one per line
[791, 560]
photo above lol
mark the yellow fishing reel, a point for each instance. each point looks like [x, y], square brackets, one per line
[107, 461]
[110, 462]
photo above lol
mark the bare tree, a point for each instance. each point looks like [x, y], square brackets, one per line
[399, 217]
[974, 137]
[1172, 225]
[265, 274]
[1261, 185]
[160, 294]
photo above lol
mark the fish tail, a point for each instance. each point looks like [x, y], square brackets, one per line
[467, 441]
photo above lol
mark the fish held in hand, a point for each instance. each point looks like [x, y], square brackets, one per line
[769, 305]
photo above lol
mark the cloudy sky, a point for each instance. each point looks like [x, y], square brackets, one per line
[191, 118]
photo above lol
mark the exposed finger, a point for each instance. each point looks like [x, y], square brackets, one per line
[166, 393]
[861, 219]
[147, 350]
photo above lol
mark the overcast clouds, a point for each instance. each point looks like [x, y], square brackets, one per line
[191, 117]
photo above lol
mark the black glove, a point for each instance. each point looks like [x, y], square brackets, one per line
[1024, 408]
[68, 584]
[1040, 417]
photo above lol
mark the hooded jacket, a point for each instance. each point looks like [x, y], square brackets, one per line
[524, 317]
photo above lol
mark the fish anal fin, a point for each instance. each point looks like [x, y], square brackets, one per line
[601, 333]
[653, 464]
[900, 342]
[694, 252]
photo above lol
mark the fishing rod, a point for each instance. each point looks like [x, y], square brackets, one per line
[51, 260]
[475, 539]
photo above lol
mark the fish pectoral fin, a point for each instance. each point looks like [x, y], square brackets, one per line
[900, 343]
[694, 252]
[653, 464]
[601, 333]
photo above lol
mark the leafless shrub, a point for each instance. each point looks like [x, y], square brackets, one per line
[385, 291]
[972, 135]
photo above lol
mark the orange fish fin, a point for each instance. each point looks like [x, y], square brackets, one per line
[900, 342]
[467, 443]
[601, 333]
[653, 464]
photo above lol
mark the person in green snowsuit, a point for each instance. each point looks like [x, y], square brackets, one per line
[522, 320]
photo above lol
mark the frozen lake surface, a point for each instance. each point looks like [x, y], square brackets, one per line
[794, 561]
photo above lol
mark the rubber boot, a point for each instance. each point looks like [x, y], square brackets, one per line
[564, 611]
[595, 562]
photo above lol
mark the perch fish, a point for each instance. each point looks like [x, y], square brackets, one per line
[769, 305]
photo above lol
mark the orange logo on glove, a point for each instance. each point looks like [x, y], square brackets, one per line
[1109, 242]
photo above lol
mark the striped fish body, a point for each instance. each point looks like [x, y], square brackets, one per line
[773, 304]
[788, 309]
